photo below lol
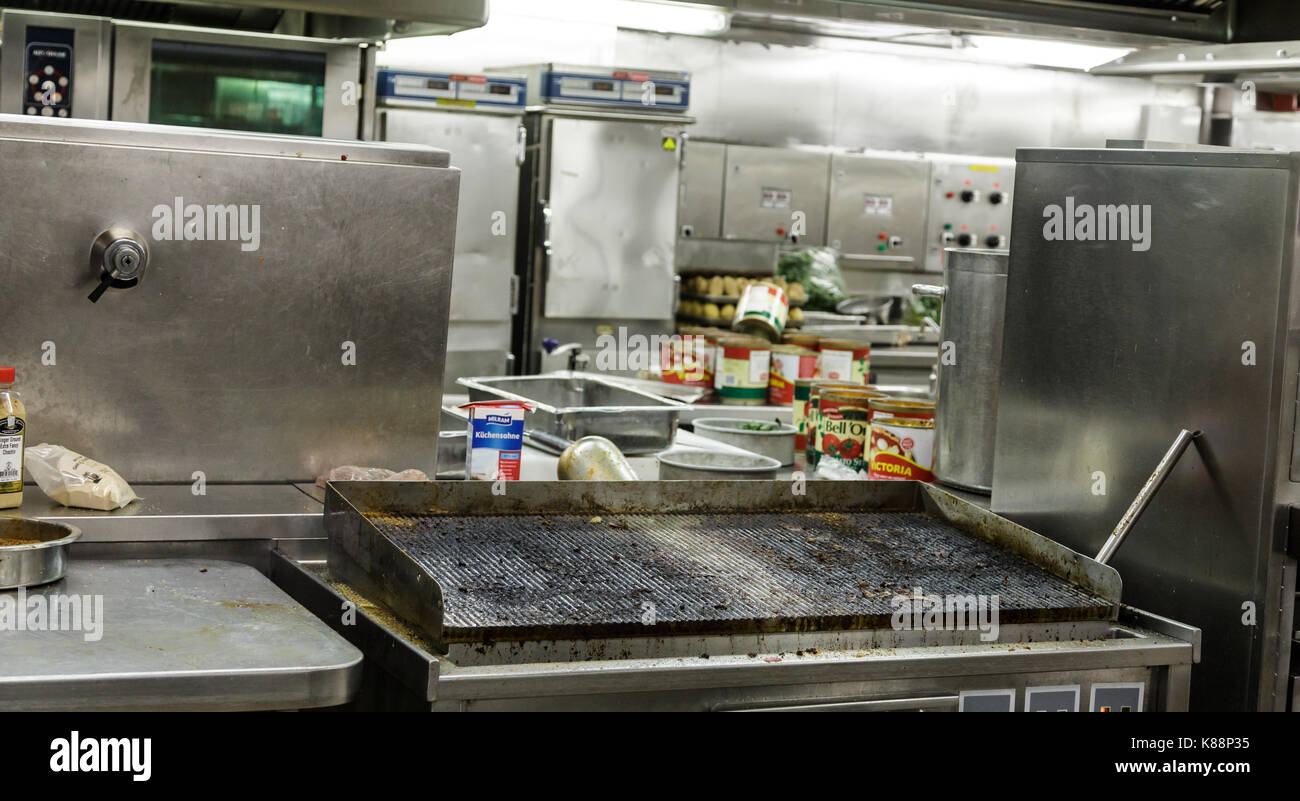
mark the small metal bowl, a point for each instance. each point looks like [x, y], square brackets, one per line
[40, 560]
[691, 465]
[777, 444]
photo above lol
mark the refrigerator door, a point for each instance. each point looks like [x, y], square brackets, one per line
[609, 219]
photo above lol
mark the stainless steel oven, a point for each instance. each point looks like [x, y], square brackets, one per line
[97, 68]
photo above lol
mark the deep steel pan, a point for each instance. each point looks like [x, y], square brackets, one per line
[41, 555]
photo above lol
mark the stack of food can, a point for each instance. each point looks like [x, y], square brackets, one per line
[845, 360]
[811, 414]
[789, 364]
[843, 423]
[742, 370]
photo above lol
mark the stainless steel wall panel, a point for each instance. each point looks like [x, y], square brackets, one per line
[788, 99]
[892, 97]
[224, 360]
[1110, 350]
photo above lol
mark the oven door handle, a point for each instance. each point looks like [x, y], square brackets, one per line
[933, 703]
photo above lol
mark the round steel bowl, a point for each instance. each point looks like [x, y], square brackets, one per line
[778, 444]
[38, 562]
[693, 465]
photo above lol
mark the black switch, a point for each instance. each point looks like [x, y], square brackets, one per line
[967, 195]
[995, 198]
[993, 240]
[964, 240]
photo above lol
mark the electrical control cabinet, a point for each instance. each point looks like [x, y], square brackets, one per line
[970, 205]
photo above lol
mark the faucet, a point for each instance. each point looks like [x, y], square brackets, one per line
[578, 360]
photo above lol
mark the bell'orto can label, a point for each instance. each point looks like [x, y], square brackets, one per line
[901, 445]
[495, 439]
[743, 370]
[843, 422]
[813, 446]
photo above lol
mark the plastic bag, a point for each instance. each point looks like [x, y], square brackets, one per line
[353, 473]
[75, 480]
[819, 273]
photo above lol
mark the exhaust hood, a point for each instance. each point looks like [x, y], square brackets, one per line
[1230, 59]
[338, 19]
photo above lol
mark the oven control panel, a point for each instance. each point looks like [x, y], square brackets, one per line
[47, 74]
[452, 89]
[970, 205]
[1102, 697]
[625, 88]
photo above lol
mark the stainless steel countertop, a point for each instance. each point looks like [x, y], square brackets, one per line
[169, 512]
[177, 634]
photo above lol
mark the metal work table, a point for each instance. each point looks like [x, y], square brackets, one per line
[177, 634]
[168, 512]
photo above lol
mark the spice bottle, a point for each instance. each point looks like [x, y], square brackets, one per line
[13, 421]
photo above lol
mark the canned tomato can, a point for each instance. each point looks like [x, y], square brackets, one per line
[901, 445]
[843, 424]
[789, 364]
[762, 311]
[744, 370]
[687, 358]
[816, 387]
[845, 360]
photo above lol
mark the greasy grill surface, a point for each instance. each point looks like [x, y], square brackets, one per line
[534, 577]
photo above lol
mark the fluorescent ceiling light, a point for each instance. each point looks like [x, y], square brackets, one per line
[644, 15]
[1039, 52]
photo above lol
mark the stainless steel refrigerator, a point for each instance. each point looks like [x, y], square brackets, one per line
[599, 199]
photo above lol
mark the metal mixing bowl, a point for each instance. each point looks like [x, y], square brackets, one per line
[40, 561]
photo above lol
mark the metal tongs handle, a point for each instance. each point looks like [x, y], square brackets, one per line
[1144, 497]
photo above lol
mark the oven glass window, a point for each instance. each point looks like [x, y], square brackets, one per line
[240, 88]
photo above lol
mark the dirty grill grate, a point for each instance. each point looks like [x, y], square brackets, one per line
[543, 577]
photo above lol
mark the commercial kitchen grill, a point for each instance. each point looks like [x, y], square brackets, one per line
[525, 577]
[694, 594]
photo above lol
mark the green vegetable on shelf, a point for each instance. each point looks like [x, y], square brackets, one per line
[819, 274]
